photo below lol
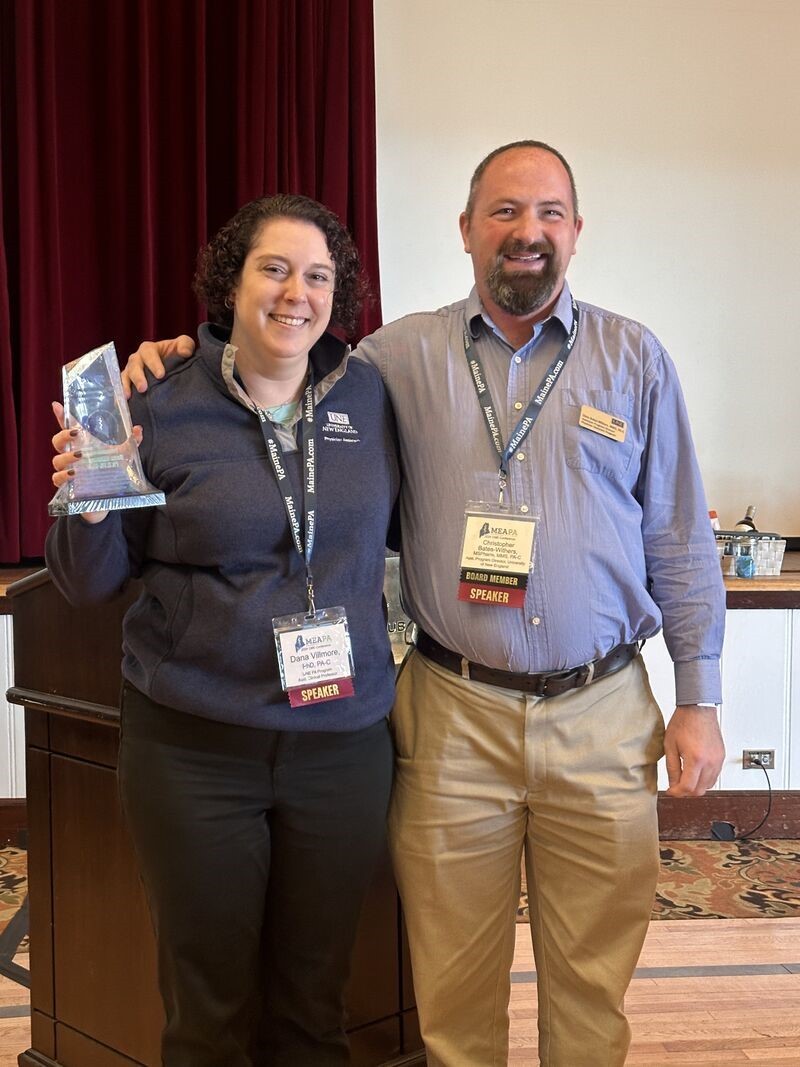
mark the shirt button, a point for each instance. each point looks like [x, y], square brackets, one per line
[536, 620]
[520, 455]
[524, 509]
[518, 405]
[517, 359]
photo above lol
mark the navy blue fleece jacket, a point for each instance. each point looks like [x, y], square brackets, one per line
[217, 562]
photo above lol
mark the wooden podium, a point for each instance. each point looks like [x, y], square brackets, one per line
[94, 1001]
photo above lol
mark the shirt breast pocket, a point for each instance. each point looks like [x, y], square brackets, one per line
[588, 450]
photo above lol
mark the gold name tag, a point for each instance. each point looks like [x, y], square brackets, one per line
[601, 422]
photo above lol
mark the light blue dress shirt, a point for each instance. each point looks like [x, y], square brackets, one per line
[623, 546]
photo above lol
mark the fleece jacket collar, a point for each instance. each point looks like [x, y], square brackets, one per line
[329, 358]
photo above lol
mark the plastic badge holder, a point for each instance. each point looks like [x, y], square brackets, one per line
[315, 657]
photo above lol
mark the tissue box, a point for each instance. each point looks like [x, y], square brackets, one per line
[749, 555]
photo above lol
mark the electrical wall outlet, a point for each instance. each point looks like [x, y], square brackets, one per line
[758, 757]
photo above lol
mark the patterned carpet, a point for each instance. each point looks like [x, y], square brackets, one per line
[13, 886]
[728, 880]
[724, 880]
[699, 880]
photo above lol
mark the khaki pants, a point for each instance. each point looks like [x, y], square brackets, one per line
[484, 775]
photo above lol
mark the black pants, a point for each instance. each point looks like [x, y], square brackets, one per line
[256, 848]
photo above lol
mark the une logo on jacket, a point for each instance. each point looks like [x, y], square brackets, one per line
[337, 427]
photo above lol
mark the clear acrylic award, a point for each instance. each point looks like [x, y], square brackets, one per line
[109, 476]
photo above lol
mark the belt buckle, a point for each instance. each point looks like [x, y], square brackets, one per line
[554, 677]
[576, 678]
[539, 688]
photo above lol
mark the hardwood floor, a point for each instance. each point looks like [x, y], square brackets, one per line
[15, 1024]
[714, 992]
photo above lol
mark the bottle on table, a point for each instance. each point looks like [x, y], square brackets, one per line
[747, 524]
[745, 563]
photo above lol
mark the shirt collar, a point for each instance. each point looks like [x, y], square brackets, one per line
[478, 317]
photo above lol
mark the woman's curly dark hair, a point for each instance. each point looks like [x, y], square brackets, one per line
[220, 262]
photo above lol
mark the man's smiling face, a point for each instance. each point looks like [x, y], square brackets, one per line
[521, 233]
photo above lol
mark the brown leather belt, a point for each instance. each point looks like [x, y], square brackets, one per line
[549, 684]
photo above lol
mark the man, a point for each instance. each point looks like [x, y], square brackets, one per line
[524, 722]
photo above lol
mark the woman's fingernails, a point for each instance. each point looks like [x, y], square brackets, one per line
[70, 473]
[77, 455]
[73, 433]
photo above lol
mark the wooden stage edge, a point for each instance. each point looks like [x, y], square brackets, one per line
[690, 818]
[13, 821]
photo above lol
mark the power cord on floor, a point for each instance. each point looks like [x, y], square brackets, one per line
[726, 831]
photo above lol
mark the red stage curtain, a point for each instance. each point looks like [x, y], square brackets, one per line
[131, 130]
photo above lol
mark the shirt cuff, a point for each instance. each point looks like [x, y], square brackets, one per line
[698, 681]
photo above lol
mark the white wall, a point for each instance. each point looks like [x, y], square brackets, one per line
[681, 119]
[760, 695]
[12, 720]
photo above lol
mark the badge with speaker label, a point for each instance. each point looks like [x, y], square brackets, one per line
[314, 656]
[496, 556]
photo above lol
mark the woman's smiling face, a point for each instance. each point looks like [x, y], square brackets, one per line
[284, 295]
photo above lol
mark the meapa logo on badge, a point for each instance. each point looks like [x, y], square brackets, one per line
[312, 641]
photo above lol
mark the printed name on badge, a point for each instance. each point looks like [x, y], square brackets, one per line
[314, 656]
[496, 558]
[601, 422]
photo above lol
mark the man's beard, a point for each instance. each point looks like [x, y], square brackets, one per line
[522, 292]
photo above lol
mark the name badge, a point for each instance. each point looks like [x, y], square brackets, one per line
[603, 423]
[496, 556]
[314, 656]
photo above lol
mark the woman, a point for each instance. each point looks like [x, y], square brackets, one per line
[255, 790]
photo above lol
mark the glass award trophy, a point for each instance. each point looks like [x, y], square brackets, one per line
[109, 476]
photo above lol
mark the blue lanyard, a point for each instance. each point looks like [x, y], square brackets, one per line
[535, 404]
[305, 547]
